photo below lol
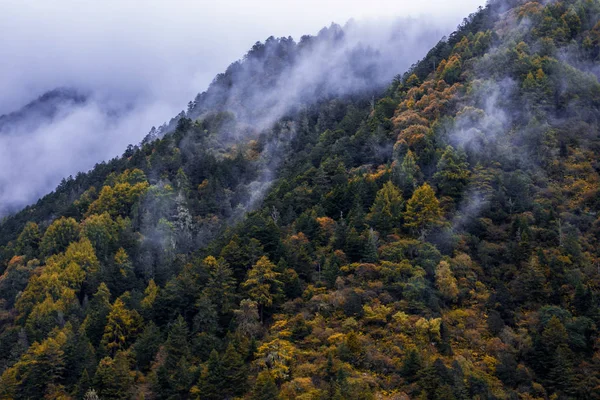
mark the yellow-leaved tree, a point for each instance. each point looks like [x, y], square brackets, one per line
[423, 210]
[262, 283]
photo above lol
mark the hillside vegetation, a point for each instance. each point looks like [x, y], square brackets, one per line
[435, 239]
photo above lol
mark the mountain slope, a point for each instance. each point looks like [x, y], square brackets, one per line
[42, 110]
[438, 241]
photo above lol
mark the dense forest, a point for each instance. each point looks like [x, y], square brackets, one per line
[435, 238]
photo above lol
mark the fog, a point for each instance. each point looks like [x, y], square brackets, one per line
[140, 63]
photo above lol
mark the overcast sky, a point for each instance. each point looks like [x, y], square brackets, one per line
[147, 59]
[168, 50]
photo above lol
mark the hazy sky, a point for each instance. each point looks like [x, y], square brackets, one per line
[168, 50]
[147, 59]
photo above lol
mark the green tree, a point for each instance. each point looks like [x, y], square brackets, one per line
[407, 175]
[102, 231]
[147, 345]
[28, 241]
[113, 378]
[452, 173]
[174, 378]
[370, 254]
[235, 372]
[265, 387]
[411, 366]
[331, 270]
[212, 381]
[561, 374]
[221, 284]
[41, 367]
[386, 211]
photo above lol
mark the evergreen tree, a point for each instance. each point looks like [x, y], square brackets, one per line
[28, 241]
[97, 314]
[146, 346]
[174, 377]
[407, 175]
[386, 211]
[411, 366]
[265, 387]
[452, 173]
[220, 285]
[212, 381]
[370, 254]
[235, 372]
[113, 379]
[331, 270]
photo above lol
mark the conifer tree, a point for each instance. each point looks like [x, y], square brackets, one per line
[174, 377]
[265, 387]
[452, 173]
[220, 285]
[407, 174]
[386, 211]
[98, 310]
[113, 379]
[262, 283]
[121, 327]
[28, 242]
[211, 382]
[235, 372]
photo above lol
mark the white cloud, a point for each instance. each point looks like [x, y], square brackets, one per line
[147, 57]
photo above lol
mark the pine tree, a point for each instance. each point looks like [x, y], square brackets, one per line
[97, 314]
[561, 375]
[28, 242]
[265, 387]
[370, 254]
[147, 345]
[174, 378]
[407, 175]
[386, 211]
[452, 173]
[212, 383]
[411, 366]
[235, 372]
[113, 379]
[331, 270]
[221, 284]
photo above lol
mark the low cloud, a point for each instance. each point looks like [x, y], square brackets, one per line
[139, 66]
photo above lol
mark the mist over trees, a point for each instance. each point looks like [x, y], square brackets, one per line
[436, 237]
[68, 130]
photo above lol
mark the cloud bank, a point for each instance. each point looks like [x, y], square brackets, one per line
[138, 66]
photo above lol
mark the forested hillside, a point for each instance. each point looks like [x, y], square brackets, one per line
[437, 238]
